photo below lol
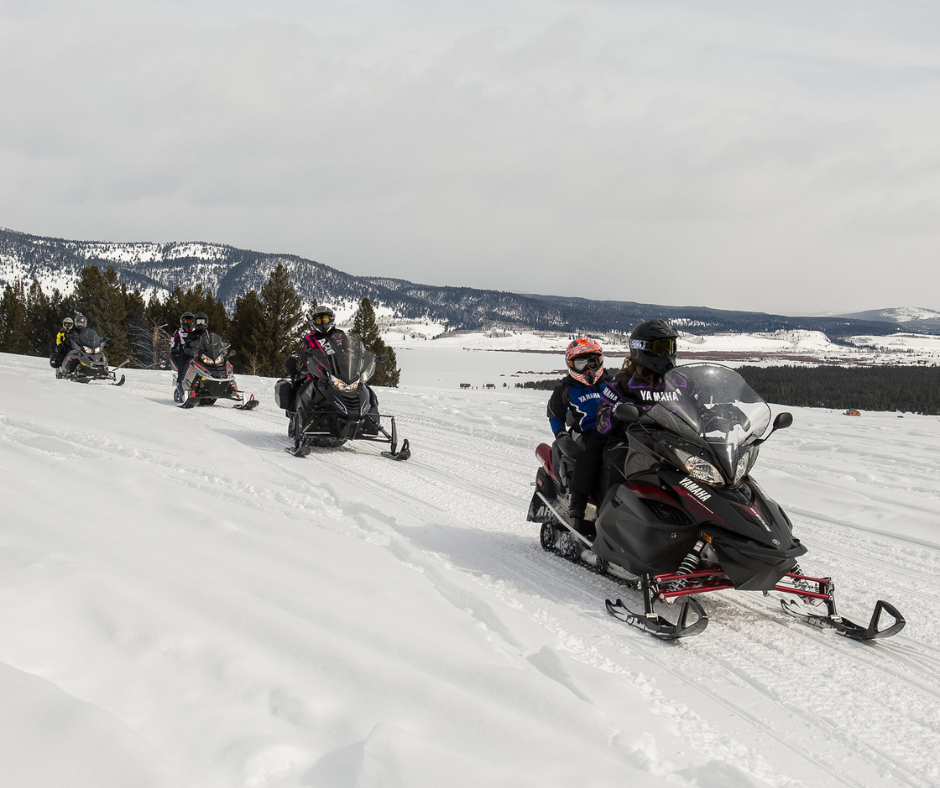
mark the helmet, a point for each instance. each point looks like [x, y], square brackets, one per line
[202, 321]
[323, 318]
[585, 360]
[187, 321]
[653, 346]
[81, 321]
[68, 323]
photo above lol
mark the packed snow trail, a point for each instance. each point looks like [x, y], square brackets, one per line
[185, 604]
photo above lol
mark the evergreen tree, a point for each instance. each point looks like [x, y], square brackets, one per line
[365, 325]
[14, 328]
[280, 329]
[42, 322]
[246, 333]
[103, 300]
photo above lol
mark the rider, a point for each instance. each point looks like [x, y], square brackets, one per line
[189, 331]
[62, 343]
[324, 337]
[574, 401]
[640, 381]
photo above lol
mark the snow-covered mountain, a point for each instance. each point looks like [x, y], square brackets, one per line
[230, 272]
[900, 314]
[184, 604]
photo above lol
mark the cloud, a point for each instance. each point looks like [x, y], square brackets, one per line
[645, 151]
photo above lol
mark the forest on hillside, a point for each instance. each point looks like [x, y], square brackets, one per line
[263, 329]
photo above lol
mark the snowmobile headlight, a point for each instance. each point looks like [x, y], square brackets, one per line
[702, 470]
[745, 463]
[339, 384]
[91, 350]
[215, 361]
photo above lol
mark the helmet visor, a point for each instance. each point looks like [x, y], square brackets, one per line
[581, 363]
[321, 319]
[658, 347]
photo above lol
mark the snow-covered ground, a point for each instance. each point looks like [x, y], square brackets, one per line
[182, 603]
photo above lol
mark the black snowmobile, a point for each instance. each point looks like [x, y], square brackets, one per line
[85, 362]
[677, 513]
[334, 404]
[209, 375]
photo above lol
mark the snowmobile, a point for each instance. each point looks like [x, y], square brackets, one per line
[85, 362]
[209, 375]
[334, 404]
[677, 513]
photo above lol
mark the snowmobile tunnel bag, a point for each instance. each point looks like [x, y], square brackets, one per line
[284, 394]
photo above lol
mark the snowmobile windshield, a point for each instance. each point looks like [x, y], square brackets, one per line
[344, 357]
[89, 340]
[714, 407]
[211, 349]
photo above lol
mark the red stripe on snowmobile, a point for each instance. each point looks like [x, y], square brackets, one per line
[696, 503]
[650, 493]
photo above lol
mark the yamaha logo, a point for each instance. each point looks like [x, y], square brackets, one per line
[696, 491]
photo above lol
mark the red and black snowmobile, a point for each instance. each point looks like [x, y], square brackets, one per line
[680, 514]
[209, 376]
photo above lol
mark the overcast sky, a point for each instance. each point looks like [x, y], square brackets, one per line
[783, 157]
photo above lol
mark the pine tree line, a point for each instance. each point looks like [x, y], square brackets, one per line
[263, 329]
[904, 389]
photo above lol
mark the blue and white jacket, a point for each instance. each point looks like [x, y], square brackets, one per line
[575, 403]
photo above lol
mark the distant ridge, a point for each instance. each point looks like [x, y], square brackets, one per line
[230, 272]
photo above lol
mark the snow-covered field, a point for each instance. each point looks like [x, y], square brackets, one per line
[182, 603]
[499, 357]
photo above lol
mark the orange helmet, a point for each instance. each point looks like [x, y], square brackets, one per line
[585, 360]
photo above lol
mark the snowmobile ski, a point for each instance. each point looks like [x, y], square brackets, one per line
[659, 627]
[298, 449]
[249, 404]
[402, 454]
[821, 590]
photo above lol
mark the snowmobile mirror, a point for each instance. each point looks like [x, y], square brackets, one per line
[782, 421]
[382, 358]
[627, 413]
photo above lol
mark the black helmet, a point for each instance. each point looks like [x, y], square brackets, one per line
[68, 323]
[202, 321]
[187, 321]
[323, 318]
[653, 346]
[81, 321]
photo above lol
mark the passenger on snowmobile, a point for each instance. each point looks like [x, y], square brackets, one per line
[63, 342]
[574, 403]
[640, 381]
[189, 331]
